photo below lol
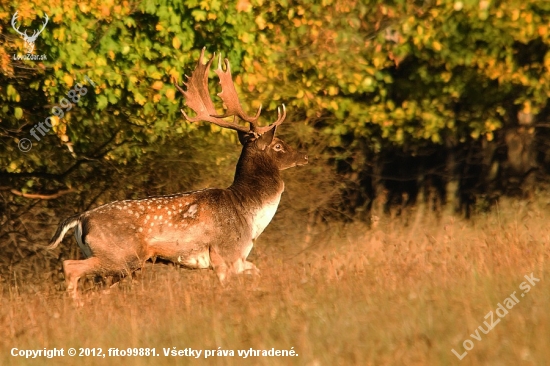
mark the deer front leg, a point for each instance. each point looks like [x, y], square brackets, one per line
[246, 266]
[242, 265]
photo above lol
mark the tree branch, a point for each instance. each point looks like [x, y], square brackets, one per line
[42, 196]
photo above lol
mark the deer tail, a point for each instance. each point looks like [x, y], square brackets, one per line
[62, 229]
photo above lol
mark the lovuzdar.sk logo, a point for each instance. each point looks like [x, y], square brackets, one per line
[29, 39]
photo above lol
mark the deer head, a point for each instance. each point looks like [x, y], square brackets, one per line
[259, 143]
[29, 40]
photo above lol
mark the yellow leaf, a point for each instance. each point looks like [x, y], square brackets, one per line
[260, 22]
[526, 107]
[171, 94]
[158, 85]
[68, 79]
[60, 35]
[105, 11]
[245, 37]
[436, 45]
[176, 42]
[156, 98]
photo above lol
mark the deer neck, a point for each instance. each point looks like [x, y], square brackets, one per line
[257, 179]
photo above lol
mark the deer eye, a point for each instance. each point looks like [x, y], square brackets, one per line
[277, 147]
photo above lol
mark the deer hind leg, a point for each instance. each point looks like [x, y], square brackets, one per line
[75, 269]
[219, 266]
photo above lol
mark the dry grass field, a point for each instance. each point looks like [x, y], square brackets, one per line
[394, 294]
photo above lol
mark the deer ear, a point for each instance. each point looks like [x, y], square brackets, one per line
[266, 139]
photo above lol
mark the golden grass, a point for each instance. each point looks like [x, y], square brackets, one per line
[391, 295]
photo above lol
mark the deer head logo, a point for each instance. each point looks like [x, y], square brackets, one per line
[29, 40]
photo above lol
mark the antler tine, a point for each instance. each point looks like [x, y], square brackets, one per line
[280, 119]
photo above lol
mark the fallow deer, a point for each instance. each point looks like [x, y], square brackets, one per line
[210, 228]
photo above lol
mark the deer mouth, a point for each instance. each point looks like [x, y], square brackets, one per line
[298, 162]
[304, 161]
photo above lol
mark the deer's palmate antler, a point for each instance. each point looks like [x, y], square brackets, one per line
[198, 98]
